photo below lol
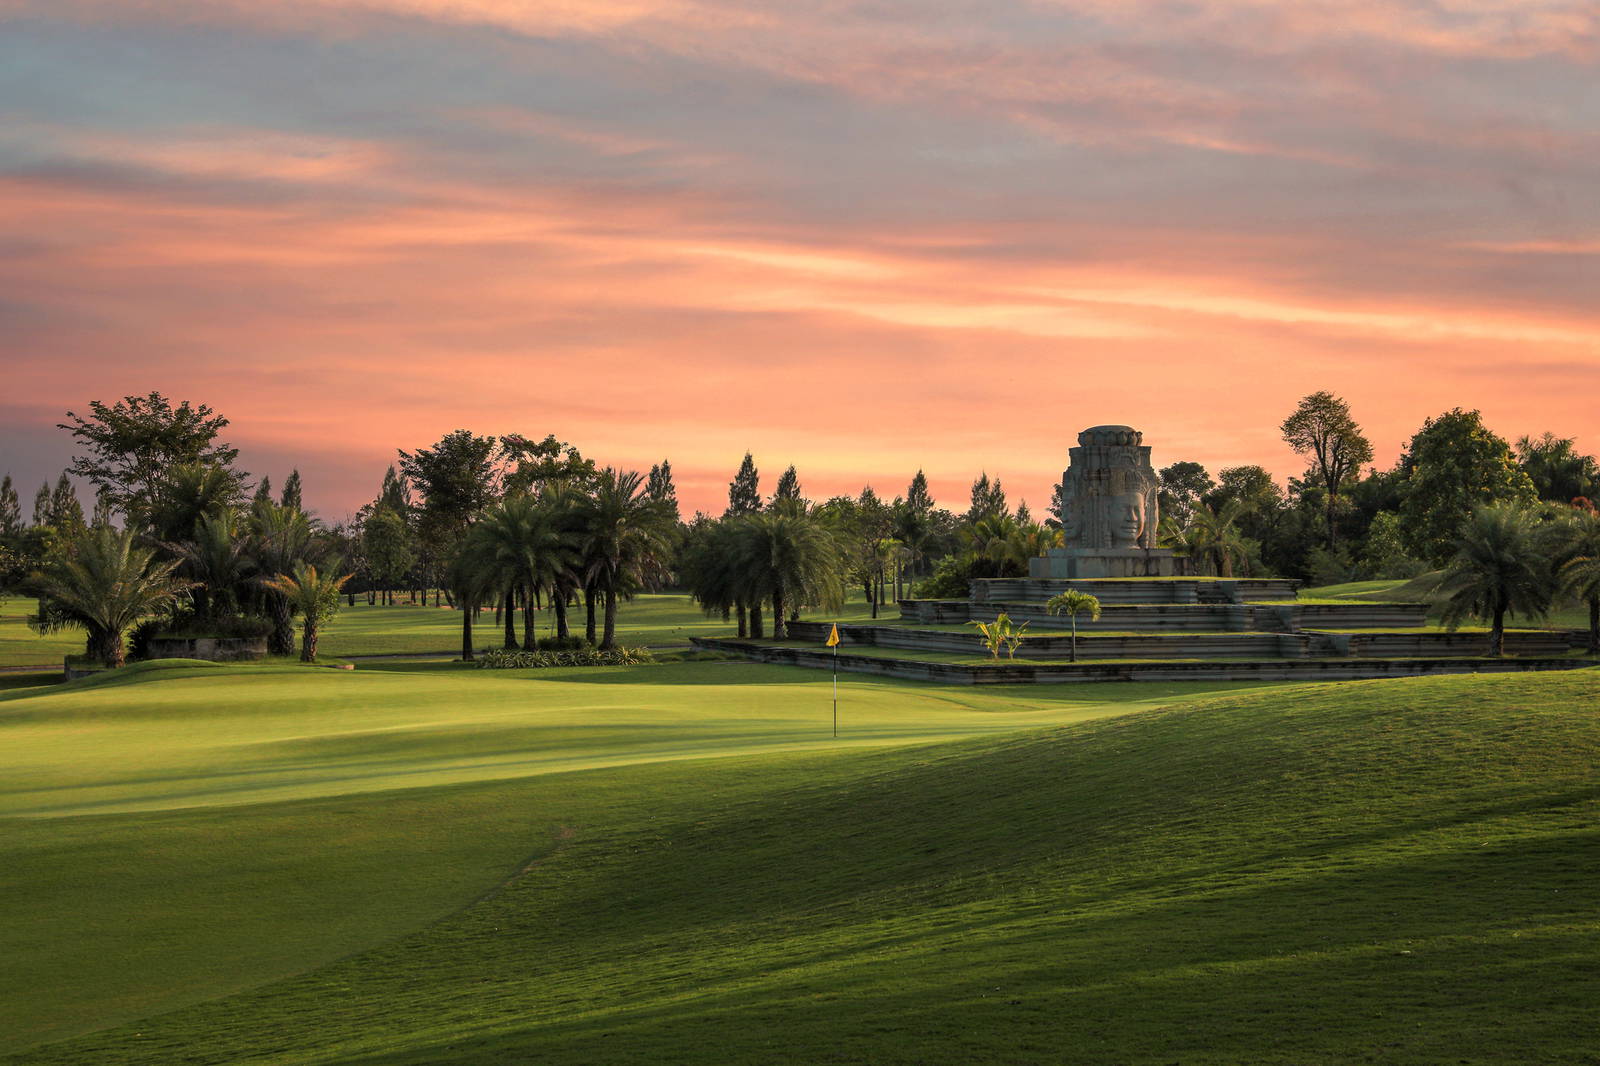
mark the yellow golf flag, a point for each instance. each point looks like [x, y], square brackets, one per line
[833, 638]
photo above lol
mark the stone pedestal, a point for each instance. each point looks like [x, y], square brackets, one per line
[1104, 562]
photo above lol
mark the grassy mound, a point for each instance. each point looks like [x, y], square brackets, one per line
[1396, 870]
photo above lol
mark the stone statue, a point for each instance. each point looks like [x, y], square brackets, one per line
[1109, 491]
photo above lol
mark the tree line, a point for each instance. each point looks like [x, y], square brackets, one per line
[521, 525]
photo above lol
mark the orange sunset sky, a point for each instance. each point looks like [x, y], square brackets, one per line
[861, 237]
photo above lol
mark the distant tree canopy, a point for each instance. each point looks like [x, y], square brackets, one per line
[128, 446]
[1558, 471]
[988, 499]
[1455, 464]
[1183, 486]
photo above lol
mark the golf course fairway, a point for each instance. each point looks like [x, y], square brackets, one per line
[420, 863]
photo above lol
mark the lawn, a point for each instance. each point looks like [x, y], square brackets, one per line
[662, 620]
[421, 864]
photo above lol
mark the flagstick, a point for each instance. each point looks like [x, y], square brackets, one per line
[836, 692]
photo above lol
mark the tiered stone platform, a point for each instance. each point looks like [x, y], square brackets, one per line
[1159, 629]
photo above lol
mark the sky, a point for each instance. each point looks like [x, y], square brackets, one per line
[860, 237]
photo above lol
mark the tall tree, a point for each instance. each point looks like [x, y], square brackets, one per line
[1498, 569]
[10, 509]
[263, 493]
[291, 492]
[386, 542]
[1455, 464]
[918, 499]
[659, 487]
[1322, 427]
[744, 491]
[988, 499]
[1182, 487]
[395, 494]
[41, 507]
[128, 446]
[456, 478]
[66, 511]
[788, 489]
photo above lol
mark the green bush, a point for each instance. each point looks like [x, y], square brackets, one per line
[504, 659]
[951, 580]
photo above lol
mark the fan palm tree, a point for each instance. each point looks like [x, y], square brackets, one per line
[104, 582]
[315, 595]
[625, 540]
[1072, 603]
[1498, 569]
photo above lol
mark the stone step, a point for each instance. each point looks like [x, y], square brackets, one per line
[1013, 672]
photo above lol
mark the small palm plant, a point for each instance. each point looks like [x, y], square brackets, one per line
[315, 595]
[1072, 603]
[1001, 633]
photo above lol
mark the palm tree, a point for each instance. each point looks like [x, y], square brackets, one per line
[280, 541]
[791, 557]
[218, 562]
[1578, 548]
[707, 568]
[315, 595]
[1027, 541]
[103, 582]
[520, 541]
[989, 539]
[1214, 539]
[1072, 603]
[187, 493]
[625, 540]
[1497, 569]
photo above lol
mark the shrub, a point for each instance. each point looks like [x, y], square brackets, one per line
[951, 580]
[506, 659]
[563, 644]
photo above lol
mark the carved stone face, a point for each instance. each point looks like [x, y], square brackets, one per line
[1071, 526]
[1126, 514]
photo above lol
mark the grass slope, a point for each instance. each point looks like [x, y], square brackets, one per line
[1395, 870]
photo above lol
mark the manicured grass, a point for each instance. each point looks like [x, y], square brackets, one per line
[21, 646]
[663, 620]
[184, 830]
[1397, 870]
